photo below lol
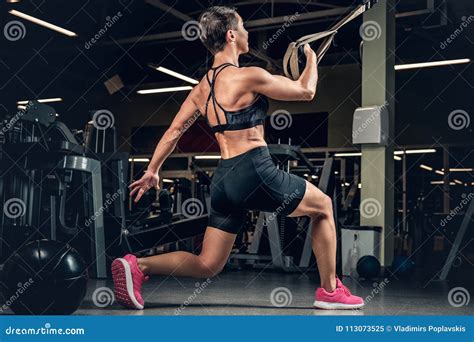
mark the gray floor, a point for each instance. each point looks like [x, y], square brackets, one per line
[249, 293]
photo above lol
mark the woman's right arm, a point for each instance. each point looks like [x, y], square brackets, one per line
[284, 89]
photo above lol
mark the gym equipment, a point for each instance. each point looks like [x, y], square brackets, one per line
[145, 237]
[457, 242]
[47, 153]
[45, 278]
[403, 266]
[368, 267]
[364, 239]
[294, 59]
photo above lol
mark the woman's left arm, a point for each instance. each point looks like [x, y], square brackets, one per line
[186, 116]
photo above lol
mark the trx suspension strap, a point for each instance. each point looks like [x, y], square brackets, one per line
[291, 65]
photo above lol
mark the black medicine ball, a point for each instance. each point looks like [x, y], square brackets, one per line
[44, 278]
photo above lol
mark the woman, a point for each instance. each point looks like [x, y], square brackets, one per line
[233, 100]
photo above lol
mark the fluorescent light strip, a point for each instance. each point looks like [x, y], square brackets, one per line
[207, 157]
[177, 75]
[54, 99]
[441, 182]
[439, 172]
[42, 23]
[358, 154]
[429, 168]
[460, 170]
[166, 180]
[163, 90]
[397, 158]
[139, 160]
[458, 181]
[348, 154]
[431, 64]
[426, 150]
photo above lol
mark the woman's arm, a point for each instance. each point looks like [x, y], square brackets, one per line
[285, 89]
[186, 116]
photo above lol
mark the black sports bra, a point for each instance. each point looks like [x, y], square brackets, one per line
[250, 116]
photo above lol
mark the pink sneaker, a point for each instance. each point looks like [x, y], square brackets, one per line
[340, 298]
[128, 281]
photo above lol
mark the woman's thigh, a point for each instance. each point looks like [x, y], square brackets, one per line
[314, 202]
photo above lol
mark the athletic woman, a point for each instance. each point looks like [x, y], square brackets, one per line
[234, 101]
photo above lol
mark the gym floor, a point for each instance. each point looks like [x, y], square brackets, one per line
[250, 292]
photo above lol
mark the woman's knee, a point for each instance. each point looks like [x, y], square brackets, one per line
[210, 267]
[323, 208]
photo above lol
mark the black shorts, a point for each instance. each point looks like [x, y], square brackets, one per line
[251, 181]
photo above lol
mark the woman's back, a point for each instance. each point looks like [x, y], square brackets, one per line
[234, 113]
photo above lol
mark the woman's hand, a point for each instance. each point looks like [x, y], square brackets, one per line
[149, 180]
[308, 51]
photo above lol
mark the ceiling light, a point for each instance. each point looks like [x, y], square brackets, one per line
[429, 168]
[139, 160]
[441, 182]
[54, 99]
[176, 74]
[461, 170]
[348, 154]
[431, 64]
[207, 157]
[163, 90]
[425, 150]
[42, 23]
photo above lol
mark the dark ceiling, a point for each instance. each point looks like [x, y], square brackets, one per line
[44, 63]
